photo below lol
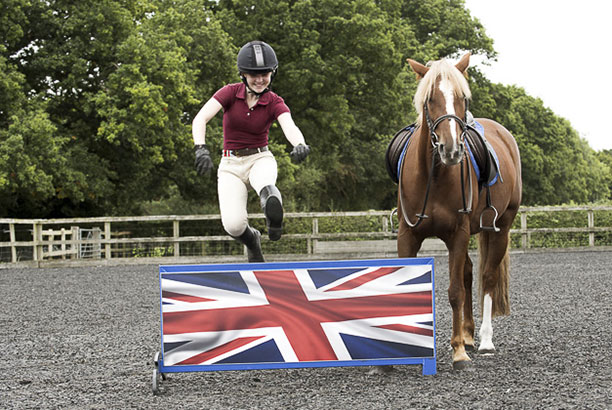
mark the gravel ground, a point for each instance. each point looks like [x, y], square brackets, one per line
[85, 338]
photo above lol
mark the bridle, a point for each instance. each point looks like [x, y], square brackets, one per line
[432, 125]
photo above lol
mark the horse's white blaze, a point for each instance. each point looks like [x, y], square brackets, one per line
[449, 96]
[486, 329]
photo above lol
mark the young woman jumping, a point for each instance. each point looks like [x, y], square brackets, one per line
[249, 109]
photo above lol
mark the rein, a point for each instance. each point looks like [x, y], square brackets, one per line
[435, 144]
[422, 215]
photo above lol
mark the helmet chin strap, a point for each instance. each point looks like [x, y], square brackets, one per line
[244, 80]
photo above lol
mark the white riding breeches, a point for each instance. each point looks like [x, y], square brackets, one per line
[234, 177]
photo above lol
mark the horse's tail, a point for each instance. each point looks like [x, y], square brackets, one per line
[499, 294]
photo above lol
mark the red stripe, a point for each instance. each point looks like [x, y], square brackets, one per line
[184, 298]
[360, 280]
[409, 329]
[219, 350]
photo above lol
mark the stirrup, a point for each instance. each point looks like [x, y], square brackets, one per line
[393, 212]
[493, 228]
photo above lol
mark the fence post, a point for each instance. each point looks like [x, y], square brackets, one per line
[591, 224]
[75, 246]
[13, 240]
[63, 244]
[315, 233]
[107, 237]
[37, 241]
[175, 234]
[524, 234]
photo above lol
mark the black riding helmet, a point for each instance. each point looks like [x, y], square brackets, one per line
[257, 57]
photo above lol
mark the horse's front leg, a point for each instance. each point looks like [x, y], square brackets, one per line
[408, 245]
[457, 248]
[468, 316]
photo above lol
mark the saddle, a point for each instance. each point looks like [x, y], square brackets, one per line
[396, 150]
[483, 156]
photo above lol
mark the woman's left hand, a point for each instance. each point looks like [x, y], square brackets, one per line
[299, 153]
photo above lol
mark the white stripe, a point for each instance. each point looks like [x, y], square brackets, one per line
[199, 342]
[369, 328]
[221, 298]
[389, 284]
[449, 97]
[259, 57]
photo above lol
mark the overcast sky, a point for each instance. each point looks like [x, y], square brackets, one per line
[559, 51]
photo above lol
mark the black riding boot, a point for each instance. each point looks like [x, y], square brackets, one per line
[272, 205]
[252, 239]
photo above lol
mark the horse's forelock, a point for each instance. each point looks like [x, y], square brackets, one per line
[447, 71]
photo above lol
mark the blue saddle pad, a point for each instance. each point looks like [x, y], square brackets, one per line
[410, 129]
[493, 174]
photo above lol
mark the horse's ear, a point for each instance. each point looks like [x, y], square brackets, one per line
[418, 68]
[463, 64]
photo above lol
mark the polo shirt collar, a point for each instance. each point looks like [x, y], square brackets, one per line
[263, 100]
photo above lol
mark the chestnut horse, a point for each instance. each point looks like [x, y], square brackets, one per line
[440, 196]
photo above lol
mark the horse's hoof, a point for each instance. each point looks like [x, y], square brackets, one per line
[486, 352]
[469, 348]
[462, 365]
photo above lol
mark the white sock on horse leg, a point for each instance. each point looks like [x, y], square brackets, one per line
[486, 329]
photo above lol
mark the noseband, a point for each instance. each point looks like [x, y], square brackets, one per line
[432, 125]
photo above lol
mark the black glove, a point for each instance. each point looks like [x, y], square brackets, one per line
[203, 161]
[299, 153]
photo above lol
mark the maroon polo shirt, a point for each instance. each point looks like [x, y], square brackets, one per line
[244, 127]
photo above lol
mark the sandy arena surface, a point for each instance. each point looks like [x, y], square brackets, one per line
[84, 338]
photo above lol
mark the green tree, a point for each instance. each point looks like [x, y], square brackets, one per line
[31, 161]
[558, 166]
[605, 157]
[342, 72]
[148, 101]
[58, 49]
[97, 99]
[117, 84]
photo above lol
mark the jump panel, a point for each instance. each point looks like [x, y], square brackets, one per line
[297, 314]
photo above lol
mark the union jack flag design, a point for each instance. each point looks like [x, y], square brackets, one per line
[266, 314]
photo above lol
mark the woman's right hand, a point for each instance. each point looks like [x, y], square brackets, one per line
[203, 161]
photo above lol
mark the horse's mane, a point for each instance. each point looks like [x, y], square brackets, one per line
[445, 70]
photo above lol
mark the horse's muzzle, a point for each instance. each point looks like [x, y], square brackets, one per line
[451, 154]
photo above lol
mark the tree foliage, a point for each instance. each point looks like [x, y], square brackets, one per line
[558, 166]
[97, 99]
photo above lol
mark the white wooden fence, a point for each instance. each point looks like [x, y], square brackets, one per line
[104, 240]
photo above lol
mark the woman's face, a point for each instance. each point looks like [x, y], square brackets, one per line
[258, 82]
